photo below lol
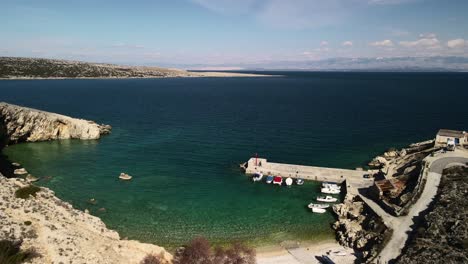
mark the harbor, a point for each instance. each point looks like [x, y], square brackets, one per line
[354, 179]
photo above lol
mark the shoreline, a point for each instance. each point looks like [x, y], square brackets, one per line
[198, 75]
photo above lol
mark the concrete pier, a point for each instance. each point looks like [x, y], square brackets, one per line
[307, 172]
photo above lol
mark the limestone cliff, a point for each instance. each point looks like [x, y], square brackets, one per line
[22, 124]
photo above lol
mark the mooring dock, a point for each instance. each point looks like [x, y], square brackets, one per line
[352, 177]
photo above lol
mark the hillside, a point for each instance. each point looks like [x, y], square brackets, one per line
[35, 68]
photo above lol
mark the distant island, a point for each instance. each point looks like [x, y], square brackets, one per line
[38, 68]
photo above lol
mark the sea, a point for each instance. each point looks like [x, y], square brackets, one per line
[182, 140]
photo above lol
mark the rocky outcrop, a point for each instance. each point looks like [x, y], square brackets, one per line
[358, 227]
[22, 124]
[443, 237]
[62, 234]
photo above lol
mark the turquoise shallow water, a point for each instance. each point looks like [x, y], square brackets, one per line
[182, 140]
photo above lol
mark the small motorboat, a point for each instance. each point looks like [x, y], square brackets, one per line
[278, 180]
[331, 185]
[318, 210]
[330, 190]
[125, 176]
[327, 199]
[313, 205]
[289, 181]
[257, 177]
[340, 253]
[269, 179]
[300, 181]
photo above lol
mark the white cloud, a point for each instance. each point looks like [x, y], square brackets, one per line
[347, 43]
[428, 35]
[383, 43]
[324, 43]
[457, 43]
[430, 43]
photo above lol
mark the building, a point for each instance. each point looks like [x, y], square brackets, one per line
[445, 136]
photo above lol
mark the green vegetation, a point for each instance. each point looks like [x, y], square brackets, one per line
[28, 223]
[11, 253]
[25, 192]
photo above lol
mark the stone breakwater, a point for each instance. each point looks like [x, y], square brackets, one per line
[62, 234]
[22, 124]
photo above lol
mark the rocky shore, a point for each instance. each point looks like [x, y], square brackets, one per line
[443, 235]
[22, 124]
[61, 234]
[359, 228]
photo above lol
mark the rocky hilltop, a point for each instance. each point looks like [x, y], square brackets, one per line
[443, 237]
[22, 124]
[37, 68]
[61, 234]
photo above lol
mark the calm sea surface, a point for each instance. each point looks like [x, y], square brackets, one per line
[182, 140]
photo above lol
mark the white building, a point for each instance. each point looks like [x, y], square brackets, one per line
[453, 136]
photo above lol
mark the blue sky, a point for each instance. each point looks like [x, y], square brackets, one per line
[231, 32]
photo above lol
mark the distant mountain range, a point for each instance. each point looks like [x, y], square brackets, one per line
[400, 64]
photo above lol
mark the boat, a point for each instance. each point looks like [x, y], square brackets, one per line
[269, 179]
[331, 185]
[340, 253]
[300, 181]
[277, 180]
[318, 210]
[313, 205]
[289, 181]
[257, 177]
[330, 190]
[327, 199]
[125, 176]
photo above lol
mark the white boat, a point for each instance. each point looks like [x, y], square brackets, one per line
[299, 181]
[313, 205]
[318, 210]
[331, 185]
[327, 199]
[330, 190]
[125, 176]
[257, 177]
[340, 253]
[289, 181]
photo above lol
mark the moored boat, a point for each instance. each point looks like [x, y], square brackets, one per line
[277, 180]
[318, 210]
[330, 190]
[289, 181]
[300, 181]
[313, 205]
[331, 185]
[327, 199]
[269, 179]
[257, 177]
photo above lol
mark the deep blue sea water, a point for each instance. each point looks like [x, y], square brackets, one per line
[182, 140]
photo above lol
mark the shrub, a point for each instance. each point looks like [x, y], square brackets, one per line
[11, 253]
[199, 252]
[25, 192]
[154, 259]
[28, 223]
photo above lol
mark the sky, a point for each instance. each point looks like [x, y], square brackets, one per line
[198, 33]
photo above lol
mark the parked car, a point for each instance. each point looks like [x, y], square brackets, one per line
[367, 176]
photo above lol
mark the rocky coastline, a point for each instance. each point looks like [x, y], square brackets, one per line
[50, 227]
